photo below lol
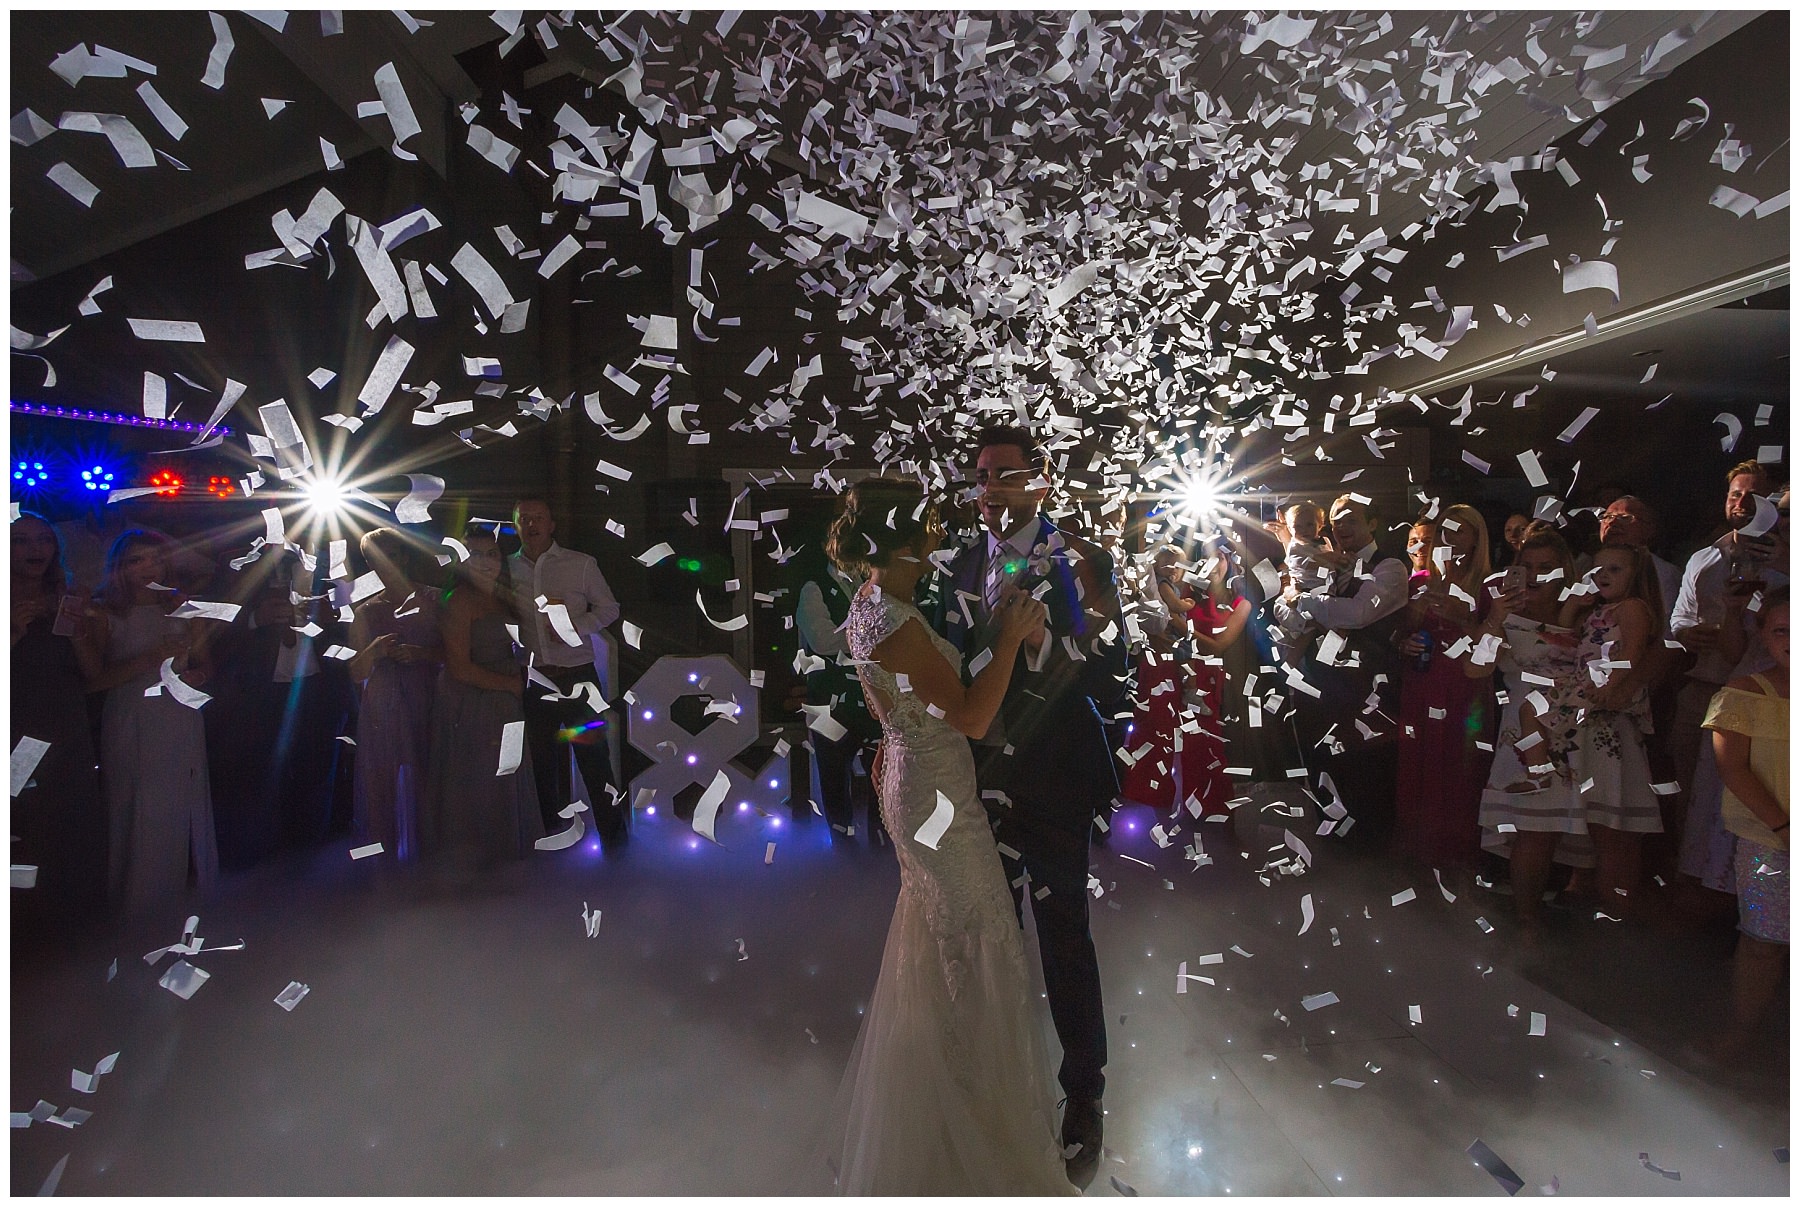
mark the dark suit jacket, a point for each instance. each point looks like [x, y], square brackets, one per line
[1061, 759]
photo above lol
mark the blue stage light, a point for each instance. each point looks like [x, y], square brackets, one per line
[30, 475]
[95, 476]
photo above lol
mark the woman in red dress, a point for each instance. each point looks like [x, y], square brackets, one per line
[1176, 745]
[1446, 717]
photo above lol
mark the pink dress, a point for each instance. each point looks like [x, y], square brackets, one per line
[1446, 720]
[1164, 689]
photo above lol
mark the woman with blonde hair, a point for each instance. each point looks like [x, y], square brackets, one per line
[1446, 721]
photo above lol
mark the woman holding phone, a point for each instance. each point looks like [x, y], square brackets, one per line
[1531, 830]
[1445, 715]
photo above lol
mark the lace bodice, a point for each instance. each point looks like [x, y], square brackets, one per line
[874, 617]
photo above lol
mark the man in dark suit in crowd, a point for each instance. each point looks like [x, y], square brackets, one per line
[1047, 752]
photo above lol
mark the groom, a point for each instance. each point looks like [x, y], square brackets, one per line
[1047, 751]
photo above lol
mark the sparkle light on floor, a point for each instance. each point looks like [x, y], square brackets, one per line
[475, 1040]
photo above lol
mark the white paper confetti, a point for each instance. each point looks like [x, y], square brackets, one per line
[290, 997]
[938, 824]
[183, 979]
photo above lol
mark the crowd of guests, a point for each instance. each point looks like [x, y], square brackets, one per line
[1560, 715]
[1564, 716]
[205, 714]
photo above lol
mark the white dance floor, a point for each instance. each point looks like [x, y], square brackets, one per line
[480, 1042]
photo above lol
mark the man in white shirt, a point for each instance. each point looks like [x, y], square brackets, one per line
[565, 601]
[1362, 606]
[1710, 619]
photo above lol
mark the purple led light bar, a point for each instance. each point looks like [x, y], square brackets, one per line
[91, 416]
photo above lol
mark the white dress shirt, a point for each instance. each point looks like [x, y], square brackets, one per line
[812, 616]
[1701, 600]
[573, 578]
[1382, 591]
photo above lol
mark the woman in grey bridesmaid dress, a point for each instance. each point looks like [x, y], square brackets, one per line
[475, 816]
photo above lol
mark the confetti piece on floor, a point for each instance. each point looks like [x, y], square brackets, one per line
[290, 997]
[1319, 1000]
[1499, 1170]
[1347, 1083]
[1671, 1174]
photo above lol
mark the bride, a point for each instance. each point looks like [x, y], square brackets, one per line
[948, 1090]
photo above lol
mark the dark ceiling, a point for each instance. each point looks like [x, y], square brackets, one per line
[175, 238]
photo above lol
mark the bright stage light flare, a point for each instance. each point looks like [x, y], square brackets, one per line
[325, 496]
[1199, 498]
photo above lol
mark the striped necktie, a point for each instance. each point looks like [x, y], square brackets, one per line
[996, 578]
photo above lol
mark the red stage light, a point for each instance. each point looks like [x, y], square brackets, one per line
[167, 482]
[220, 488]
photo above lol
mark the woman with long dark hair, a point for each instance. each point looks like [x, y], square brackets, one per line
[399, 651]
[58, 821]
[475, 814]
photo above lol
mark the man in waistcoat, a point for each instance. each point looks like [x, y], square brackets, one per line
[1350, 728]
[831, 682]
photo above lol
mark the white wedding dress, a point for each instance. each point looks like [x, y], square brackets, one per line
[949, 1086]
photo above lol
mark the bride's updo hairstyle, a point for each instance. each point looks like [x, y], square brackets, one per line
[881, 516]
